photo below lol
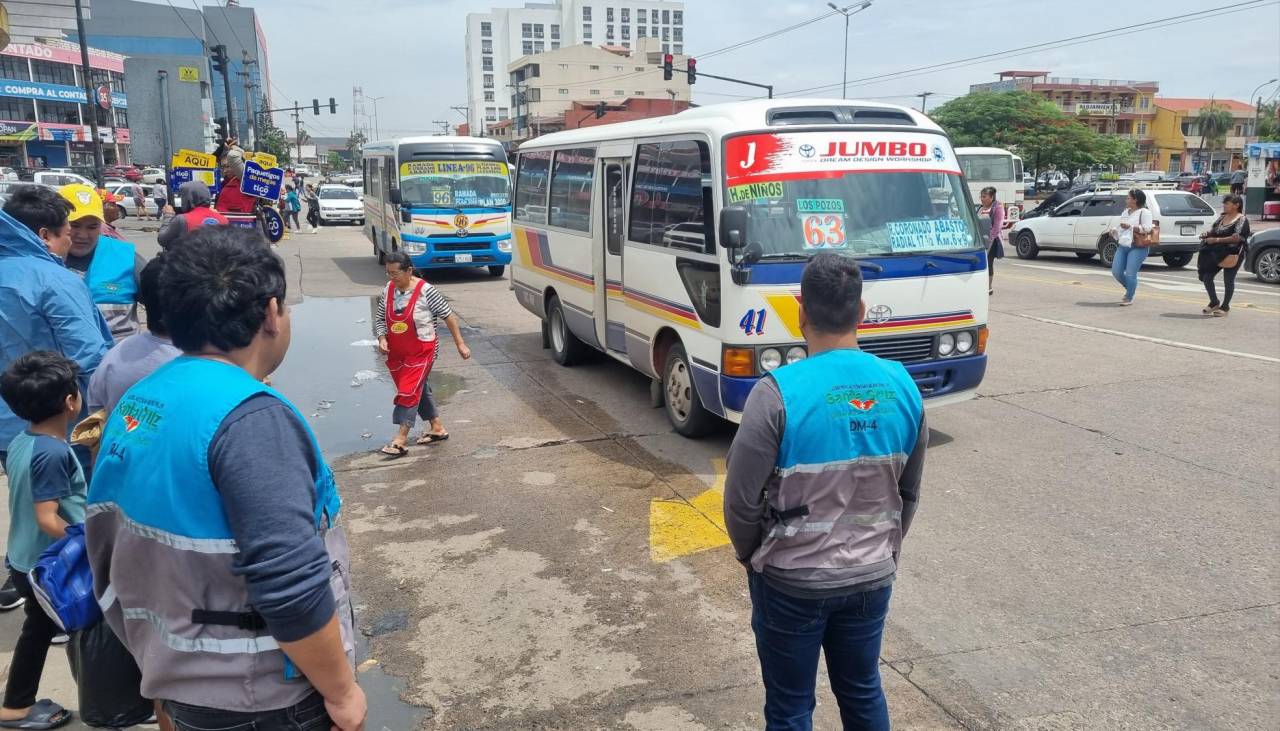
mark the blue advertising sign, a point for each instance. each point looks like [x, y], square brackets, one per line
[261, 182]
[274, 225]
[210, 177]
[54, 92]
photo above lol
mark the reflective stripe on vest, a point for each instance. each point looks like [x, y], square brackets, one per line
[153, 503]
[851, 420]
[110, 273]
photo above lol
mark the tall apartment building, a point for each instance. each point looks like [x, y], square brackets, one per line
[1109, 106]
[496, 39]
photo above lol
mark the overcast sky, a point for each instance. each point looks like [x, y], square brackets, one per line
[411, 51]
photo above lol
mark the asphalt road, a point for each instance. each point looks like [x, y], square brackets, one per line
[1095, 547]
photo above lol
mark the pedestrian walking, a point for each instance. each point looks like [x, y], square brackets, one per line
[45, 306]
[110, 267]
[823, 482]
[197, 211]
[407, 324]
[139, 200]
[160, 196]
[46, 494]
[993, 211]
[1133, 235]
[243, 617]
[313, 208]
[1238, 180]
[1223, 250]
[292, 206]
[135, 357]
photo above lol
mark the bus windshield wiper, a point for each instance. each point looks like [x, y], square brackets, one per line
[961, 258]
[780, 257]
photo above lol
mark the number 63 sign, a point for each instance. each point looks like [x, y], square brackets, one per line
[824, 231]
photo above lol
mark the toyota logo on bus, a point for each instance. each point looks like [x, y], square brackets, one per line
[807, 151]
[879, 314]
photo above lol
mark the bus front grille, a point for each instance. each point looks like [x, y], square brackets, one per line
[461, 246]
[907, 349]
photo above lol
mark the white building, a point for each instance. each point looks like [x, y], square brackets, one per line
[497, 38]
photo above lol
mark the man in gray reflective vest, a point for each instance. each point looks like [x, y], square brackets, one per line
[823, 480]
[212, 515]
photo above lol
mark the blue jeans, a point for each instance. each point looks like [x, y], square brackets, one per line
[790, 632]
[308, 714]
[1126, 265]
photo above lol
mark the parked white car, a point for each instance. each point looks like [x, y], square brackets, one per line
[154, 176]
[57, 179]
[340, 204]
[124, 191]
[1083, 225]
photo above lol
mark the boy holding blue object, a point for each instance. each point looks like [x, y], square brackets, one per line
[46, 494]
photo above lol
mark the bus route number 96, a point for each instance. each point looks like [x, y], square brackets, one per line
[824, 231]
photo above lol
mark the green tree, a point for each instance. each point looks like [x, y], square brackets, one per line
[355, 143]
[1269, 122]
[1038, 131]
[336, 163]
[1214, 121]
[271, 138]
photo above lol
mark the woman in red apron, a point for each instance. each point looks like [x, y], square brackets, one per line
[406, 330]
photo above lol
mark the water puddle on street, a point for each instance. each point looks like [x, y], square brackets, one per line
[336, 377]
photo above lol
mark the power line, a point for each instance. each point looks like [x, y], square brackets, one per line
[243, 48]
[206, 25]
[765, 37]
[1048, 45]
[184, 23]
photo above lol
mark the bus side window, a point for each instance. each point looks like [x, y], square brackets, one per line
[571, 186]
[670, 206]
[533, 171]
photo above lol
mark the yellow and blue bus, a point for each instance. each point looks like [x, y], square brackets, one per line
[444, 201]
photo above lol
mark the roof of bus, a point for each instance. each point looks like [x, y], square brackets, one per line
[427, 139]
[716, 118]
[983, 151]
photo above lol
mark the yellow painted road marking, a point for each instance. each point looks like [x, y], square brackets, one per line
[679, 527]
[1243, 306]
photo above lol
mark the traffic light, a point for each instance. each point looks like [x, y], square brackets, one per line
[333, 106]
[315, 106]
[693, 70]
[667, 60]
[220, 128]
[599, 110]
[219, 57]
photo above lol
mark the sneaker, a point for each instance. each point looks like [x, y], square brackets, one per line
[9, 596]
[60, 640]
[1126, 302]
[1221, 312]
[1210, 310]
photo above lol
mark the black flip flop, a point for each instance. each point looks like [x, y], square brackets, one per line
[430, 438]
[45, 714]
[399, 452]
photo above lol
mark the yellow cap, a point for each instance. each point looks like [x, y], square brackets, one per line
[84, 200]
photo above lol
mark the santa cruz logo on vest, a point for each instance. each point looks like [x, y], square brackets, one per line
[875, 150]
[136, 412]
[859, 399]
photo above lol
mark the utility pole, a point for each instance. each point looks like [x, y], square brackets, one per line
[444, 124]
[247, 77]
[673, 94]
[166, 139]
[924, 97]
[297, 130]
[375, 99]
[90, 98]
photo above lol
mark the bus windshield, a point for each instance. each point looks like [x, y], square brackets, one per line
[988, 168]
[454, 184]
[865, 201]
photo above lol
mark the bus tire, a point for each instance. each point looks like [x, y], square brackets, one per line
[497, 270]
[566, 348]
[680, 396]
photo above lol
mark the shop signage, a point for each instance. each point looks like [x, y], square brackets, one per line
[189, 73]
[261, 182]
[192, 159]
[104, 96]
[1092, 108]
[55, 92]
[265, 159]
[63, 55]
[17, 131]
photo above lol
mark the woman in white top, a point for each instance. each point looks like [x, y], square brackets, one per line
[1135, 225]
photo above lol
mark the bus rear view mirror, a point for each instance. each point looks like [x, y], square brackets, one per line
[395, 196]
[733, 227]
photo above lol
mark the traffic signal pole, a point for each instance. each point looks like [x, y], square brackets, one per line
[693, 73]
[221, 64]
[90, 98]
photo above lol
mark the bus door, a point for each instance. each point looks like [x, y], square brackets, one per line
[613, 171]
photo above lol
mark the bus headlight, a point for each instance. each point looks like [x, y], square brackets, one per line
[964, 342]
[770, 358]
[946, 344]
[796, 354]
[505, 246]
[414, 248]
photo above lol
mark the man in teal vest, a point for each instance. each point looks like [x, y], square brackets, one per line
[823, 480]
[212, 528]
[110, 267]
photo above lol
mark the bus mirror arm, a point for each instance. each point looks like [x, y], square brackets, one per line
[406, 215]
[395, 196]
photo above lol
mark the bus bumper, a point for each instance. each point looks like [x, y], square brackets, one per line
[940, 382]
[438, 252]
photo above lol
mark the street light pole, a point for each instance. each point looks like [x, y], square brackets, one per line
[848, 12]
[90, 98]
[1257, 109]
[375, 100]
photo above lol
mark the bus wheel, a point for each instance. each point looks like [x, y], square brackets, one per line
[566, 348]
[497, 270]
[680, 395]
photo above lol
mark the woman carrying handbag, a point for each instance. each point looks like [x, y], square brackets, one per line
[1135, 234]
[1223, 249]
